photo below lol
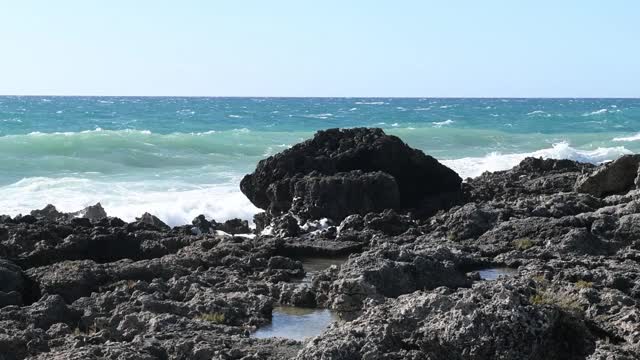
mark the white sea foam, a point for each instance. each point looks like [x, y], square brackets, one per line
[235, 116]
[271, 150]
[597, 112]
[96, 130]
[173, 203]
[635, 137]
[369, 103]
[318, 116]
[537, 112]
[439, 124]
[205, 133]
[475, 166]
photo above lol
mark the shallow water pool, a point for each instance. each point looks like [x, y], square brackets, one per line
[495, 273]
[313, 265]
[296, 323]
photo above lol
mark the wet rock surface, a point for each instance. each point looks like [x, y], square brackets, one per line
[405, 286]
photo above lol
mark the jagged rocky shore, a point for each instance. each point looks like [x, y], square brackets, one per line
[89, 286]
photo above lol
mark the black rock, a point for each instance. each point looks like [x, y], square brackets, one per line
[343, 194]
[202, 225]
[616, 177]
[418, 176]
[235, 226]
[150, 221]
[49, 212]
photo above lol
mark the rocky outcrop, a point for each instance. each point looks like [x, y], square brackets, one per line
[337, 196]
[406, 286]
[49, 212]
[533, 176]
[616, 177]
[486, 322]
[422, 182]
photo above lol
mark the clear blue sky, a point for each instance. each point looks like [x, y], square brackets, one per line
[443, 48]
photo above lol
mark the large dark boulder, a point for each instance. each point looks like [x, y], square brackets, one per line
[616, 177]
[419, 177]
[340, 195]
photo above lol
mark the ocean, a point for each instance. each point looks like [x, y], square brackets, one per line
[181, 157]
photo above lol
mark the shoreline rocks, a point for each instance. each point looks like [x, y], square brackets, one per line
[322, 164]
[406, 287]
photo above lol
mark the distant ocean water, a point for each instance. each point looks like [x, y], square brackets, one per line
[180, 157]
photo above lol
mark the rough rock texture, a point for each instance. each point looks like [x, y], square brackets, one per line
[419, 177]
[618, 176]
[487, 322]
[343, 194]
[406, 287]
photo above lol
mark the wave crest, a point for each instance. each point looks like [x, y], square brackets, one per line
[174, 203]
[635, 137]
[439, 124]
[495, 161]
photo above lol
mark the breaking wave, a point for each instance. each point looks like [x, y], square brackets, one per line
[475, 166]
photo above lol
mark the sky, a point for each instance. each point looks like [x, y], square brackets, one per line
[355, 48]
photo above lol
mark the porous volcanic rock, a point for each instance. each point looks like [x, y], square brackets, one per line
[421, 180]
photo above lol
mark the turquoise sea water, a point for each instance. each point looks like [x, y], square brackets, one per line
[179, 157]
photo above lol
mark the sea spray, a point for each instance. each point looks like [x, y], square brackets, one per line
[179, 157]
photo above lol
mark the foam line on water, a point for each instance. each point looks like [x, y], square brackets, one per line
[173, 203]
[635, 137]
[475, 166]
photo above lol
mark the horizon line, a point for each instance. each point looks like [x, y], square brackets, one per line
[330, 97]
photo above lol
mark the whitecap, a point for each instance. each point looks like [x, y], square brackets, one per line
[234, 116]
[495, 161]
[369, 103]
[97, 129]
[205, 133]
[537, 112]
[597, 112]
[635, 137]
[318, 116]
[439, 124]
